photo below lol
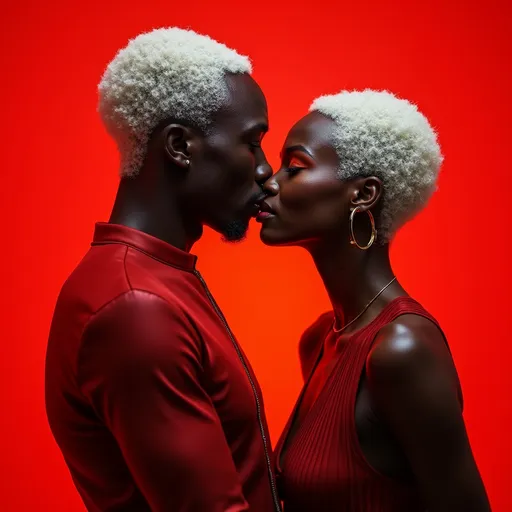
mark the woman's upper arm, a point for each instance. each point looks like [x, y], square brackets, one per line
[413, 389]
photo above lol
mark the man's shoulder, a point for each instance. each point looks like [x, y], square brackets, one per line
[99, 278]
[134, 335]
[99, 303]
[110, 271]
[139, 307]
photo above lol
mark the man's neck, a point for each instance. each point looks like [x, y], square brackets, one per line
[148, 209]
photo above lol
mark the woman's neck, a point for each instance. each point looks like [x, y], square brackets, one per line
[351, 276]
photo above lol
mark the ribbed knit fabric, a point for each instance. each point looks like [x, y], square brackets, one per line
[323, 467]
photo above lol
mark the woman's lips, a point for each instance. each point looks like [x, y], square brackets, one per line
[263, 215]
[266, 211]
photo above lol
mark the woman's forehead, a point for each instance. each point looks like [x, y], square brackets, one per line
[314, 132]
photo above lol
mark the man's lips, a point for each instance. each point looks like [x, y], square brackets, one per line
[256, 205]
[266, 211]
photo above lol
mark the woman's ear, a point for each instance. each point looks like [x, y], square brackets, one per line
[367, 192]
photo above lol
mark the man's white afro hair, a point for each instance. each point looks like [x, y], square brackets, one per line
[378, 134]
[169, 73]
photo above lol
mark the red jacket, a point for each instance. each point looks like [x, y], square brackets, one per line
[149, 396]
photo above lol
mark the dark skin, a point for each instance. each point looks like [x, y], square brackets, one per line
[408, 408]
[191, 178]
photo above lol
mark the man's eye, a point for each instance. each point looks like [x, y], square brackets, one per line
[256, 141]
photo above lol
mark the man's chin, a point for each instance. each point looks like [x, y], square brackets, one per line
[235, 231]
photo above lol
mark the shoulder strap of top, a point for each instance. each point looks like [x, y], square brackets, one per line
[404, 306]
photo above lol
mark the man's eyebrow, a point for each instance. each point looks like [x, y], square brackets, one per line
[259, 127]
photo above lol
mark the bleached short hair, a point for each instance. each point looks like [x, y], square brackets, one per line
[378, 134]
[169, 73]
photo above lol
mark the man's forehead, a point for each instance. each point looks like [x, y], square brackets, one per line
[246, 98]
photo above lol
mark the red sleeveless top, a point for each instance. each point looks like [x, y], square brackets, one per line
[324, 468]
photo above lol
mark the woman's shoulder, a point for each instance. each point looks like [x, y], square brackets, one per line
[410, 348]
[408, 333]
[406, 341]
[311, 340]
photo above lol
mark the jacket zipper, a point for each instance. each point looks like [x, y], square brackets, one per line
[251, 382]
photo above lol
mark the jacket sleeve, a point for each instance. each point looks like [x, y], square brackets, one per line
[140, 366]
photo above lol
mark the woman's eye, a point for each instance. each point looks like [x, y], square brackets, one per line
[293, 170]
[294, 166]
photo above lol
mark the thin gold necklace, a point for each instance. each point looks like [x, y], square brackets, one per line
[337, 331]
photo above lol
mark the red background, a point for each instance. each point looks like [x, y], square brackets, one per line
[59, 176]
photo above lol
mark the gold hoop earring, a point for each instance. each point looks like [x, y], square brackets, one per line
[353, 240]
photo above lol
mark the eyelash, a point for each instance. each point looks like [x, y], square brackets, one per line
[292, 171]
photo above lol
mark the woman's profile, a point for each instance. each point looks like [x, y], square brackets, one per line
[378, 426]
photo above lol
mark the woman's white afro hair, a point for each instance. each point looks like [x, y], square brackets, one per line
[378, 134]
[169, 73]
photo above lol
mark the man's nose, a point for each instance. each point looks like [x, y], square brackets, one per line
[263, 173]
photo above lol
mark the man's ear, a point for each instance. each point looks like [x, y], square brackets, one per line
[179, 140]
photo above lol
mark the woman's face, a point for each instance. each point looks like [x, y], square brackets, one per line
[307, 203]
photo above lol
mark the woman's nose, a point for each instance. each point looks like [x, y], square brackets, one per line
[271, 187]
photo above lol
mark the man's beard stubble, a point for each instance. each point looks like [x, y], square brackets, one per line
[235, 231]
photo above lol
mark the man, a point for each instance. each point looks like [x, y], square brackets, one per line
[149, 395]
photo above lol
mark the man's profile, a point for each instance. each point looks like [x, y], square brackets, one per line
[148, 393]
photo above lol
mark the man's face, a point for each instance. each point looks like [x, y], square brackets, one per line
[231, 165]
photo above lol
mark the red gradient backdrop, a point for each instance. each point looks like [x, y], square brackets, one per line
[59, 176]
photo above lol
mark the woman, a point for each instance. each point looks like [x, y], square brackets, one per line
[378, 426]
